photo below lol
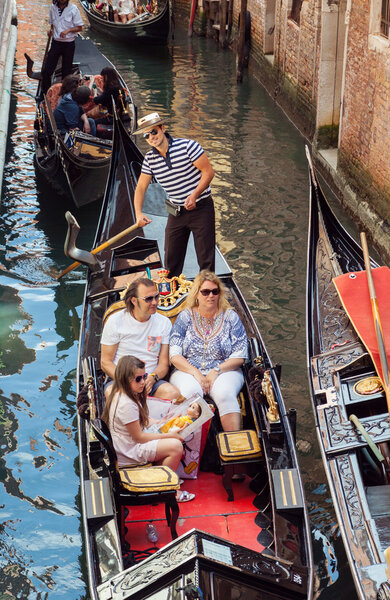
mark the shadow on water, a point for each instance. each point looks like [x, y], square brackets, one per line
[261, 196]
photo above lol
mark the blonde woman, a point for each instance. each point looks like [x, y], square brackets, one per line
[208, 346]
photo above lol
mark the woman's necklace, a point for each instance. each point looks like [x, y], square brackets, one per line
[207, 327]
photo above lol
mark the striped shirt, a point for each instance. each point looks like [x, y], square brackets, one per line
[176, 172]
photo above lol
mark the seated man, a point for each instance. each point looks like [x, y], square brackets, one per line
[139, 330]
[69, 113]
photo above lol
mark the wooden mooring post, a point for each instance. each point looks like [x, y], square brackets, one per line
[241, 42]
[223, 22]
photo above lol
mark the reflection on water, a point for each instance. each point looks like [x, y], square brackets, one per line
[260, 192]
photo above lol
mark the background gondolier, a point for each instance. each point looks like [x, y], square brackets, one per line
[65, 23]
[184, 171]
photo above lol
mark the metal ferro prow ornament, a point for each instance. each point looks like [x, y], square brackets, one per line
[266, 386]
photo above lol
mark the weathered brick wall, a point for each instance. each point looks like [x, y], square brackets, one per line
[364, 154]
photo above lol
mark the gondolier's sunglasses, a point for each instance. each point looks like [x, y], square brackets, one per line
[151, 132]
[150, 299]
[139, 378]
[214, 292]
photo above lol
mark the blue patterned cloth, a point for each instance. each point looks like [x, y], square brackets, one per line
[229, 342]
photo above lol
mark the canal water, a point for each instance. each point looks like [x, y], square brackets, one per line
[261, 196]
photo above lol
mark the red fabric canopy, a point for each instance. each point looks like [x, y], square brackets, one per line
[355, 296]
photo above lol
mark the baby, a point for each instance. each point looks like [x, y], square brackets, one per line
[178, 423]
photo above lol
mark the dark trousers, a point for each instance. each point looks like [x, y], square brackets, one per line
[201, 222]
[57, 49]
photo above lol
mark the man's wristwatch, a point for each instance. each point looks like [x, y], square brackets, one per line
[218, 369]
[156, 377]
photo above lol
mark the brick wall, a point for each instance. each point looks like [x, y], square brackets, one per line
[364, 153]
[300, 77]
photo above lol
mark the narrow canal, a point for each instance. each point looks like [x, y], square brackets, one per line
[261, 194]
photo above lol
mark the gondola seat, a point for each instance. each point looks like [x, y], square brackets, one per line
[139, 485]
[53, 95]
[237, 448]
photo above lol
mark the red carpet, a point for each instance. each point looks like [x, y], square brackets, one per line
[209, 511]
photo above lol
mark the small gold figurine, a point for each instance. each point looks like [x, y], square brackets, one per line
[266, 386]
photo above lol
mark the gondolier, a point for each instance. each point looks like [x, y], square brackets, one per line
[65, 23]
[184, 171]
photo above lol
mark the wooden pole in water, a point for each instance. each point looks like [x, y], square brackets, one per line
[222, 23]
[241, 42]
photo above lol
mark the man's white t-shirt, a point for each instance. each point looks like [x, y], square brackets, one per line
[69, 18]
[136, 338]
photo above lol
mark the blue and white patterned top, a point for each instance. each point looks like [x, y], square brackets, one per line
[229, 341]
[176, 172]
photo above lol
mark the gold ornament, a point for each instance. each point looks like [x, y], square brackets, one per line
[368, 386]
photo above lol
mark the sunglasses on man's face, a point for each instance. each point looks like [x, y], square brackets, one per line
[151, 132]
[139, 378]
[149, 299]
[214, 292]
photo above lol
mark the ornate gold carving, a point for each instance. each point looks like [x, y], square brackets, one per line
[266, 386]
[171, 289]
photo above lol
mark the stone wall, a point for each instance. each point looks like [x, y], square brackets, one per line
[364, 151]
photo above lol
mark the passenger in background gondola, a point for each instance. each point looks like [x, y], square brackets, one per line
[112, 89]
[69, 113]
[65, 23]
[126, 10]
[59, 90]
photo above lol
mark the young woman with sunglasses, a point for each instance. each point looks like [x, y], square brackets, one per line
[126, 414]
[208, 346]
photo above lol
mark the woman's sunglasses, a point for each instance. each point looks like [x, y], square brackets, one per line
[149, 299]
[151, 132]
[214, 292]
[139, 378]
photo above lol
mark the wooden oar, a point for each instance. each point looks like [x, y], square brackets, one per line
[377, 320]
[106, 244]
[49, 36]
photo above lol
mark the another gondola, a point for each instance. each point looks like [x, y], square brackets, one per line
[352, 419]
[77, 167]
[256, 545]
[146, 28]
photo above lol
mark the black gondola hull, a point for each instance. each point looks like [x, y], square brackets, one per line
[337, 362]
[77, 176]
[285, 571]
[154, 30]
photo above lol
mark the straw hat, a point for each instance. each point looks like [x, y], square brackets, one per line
[146, 123]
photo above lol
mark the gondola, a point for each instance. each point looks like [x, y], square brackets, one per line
[145, 28]
[77, 167]
[257, 544]
[352, 420]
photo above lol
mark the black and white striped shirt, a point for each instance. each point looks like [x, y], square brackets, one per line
[176, 172]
